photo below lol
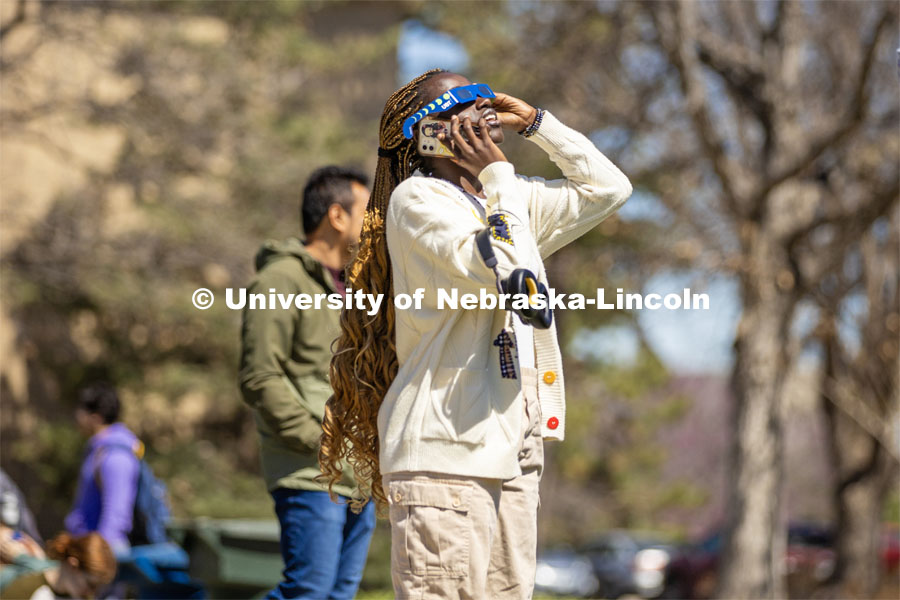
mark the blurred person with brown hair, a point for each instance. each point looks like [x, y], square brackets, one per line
[442, 412]
[284, 379]
[81, 565]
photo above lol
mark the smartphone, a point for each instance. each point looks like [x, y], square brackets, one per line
[429, 144]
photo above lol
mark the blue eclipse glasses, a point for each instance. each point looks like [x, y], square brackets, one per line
[447, 100]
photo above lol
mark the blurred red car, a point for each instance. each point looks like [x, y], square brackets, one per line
[890, 545]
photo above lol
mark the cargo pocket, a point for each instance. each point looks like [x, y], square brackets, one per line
[430, 527]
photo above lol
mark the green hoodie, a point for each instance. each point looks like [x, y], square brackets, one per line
[285, 354]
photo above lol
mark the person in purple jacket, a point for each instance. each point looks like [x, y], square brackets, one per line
[107, 483]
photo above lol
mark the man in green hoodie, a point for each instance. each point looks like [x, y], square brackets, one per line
[285, 358]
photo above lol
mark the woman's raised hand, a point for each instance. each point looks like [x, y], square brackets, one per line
[513, 113]
[473, 151]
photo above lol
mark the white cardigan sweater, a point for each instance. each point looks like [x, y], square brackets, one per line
[450, 409]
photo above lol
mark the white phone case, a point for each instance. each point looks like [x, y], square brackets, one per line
[429, 144]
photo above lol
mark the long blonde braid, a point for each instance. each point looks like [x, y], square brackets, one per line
[365, 358]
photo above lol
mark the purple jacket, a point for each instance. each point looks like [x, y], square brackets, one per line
[107, 508]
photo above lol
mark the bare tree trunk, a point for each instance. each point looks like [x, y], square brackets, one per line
[755, 535]
[860, 506]
[862, 476]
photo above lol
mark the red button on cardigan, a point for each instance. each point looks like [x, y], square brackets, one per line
[552, 422]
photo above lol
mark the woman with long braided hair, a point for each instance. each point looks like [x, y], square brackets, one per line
[441, 410]
[365, 360]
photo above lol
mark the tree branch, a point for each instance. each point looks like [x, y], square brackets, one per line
[863, 471]
[743, 75]
[852, 118]
[682, 53]
[845, 400]
[850, 224]
[18, 19]
[774, 32]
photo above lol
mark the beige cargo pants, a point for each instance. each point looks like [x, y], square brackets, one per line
[463, 537]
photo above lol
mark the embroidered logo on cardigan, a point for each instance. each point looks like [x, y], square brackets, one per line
[507, 366]
[500, 228]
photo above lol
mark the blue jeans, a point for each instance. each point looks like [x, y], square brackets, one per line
[324, 545]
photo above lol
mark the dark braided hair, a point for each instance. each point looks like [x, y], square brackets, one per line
[365, 358]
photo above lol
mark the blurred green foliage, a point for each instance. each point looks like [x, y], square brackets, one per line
[218, 112]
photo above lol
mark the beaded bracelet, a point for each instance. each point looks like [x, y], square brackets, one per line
[535, 125]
